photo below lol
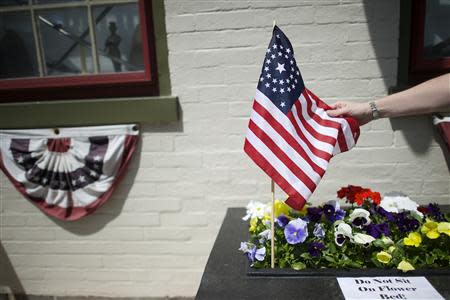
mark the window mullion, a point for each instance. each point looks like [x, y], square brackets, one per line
[93, 36]
[38, 42]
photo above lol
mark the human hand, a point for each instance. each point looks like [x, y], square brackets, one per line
[359, 111]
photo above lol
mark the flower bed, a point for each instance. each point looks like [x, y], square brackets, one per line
[393, 232]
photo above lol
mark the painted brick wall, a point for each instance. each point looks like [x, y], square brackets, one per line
[153, 238]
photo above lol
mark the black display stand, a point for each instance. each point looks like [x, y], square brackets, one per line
[227, 275]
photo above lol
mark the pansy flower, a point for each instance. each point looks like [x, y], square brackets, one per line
[342, 232]
[314, 214]
[332, 211]
[282, 221]
[318, 231]
[360, 217]
[315, 248]
[296, 231]
[256, 254]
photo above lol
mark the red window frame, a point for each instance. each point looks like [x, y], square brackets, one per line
[127, 84]
[422, 68]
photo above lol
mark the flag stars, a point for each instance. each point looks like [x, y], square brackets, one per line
[261, 79]
[272, 56]
[287, 80]
[274, 90]
[274, 46]
[268, 50]
[288, 89]
[288, 50]
[295, 80]
[292, 62]
[278, 36]
[282, 104]
[286, 56]
[267, 85]
[279, 53]
[20, 159]
[291, 76]
[282, 91]
[280, 68]
[266, 69]
[82, 179]
[274, 80]
[268, 75]
[281, 81]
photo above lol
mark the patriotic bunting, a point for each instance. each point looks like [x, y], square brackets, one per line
[68, 173]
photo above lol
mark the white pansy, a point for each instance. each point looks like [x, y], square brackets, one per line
[341, 232]
[256, 210]
[265, 235]
[360, 213]
[344, 229]
[362, 239]
[397, 204]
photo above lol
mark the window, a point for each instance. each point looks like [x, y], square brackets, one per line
[430, 39]
[76, 49]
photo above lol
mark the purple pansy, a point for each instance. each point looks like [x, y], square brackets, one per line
[314, 214]
[406, 224]
[318, 231]
[296, 231]
[332, 211]
[376, 230]
[282, 221]
[434, 211]
[258, 254]
[315, 248]
[388, 215]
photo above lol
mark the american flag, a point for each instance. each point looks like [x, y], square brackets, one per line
[290, 136]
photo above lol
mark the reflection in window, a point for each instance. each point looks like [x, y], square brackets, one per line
[65, 41]
[118, 38]
[437, 29]
[17, 46]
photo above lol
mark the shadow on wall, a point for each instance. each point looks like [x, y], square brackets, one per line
[8, 276]
[382, 21]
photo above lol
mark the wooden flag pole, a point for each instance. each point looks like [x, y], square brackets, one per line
[272, 221]
[272, 228]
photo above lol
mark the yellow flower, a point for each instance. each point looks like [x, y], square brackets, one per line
[405, 266]
[304, 210]
[430, 229]
[253, 223]
[413, 239]
[281, 208]
[384, 257]
[391, 249]
[444, 227]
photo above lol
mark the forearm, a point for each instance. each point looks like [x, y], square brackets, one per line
[430, 96]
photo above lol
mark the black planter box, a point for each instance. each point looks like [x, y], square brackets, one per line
[227, 274]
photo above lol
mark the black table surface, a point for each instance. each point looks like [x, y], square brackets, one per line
[225, 275]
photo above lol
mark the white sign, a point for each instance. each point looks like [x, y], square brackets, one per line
[359, 288]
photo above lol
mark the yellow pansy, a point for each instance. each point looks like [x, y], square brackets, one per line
[430, 229]
[405, 266]
[444, 227]
[281, 208]
[391, 249]
[413, 239]
[384, 257]
[253, 223]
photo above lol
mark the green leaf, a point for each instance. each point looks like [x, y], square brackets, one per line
[298, 266]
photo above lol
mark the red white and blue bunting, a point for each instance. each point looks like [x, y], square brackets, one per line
[69, 172]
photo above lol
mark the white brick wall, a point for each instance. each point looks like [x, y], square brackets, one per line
[154, 236]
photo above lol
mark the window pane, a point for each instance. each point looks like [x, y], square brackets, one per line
[17, 46]
[66, 41]
[118, 38]
[437, 29]
[13, 2]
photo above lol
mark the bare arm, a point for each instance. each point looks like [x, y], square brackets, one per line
[430, 96]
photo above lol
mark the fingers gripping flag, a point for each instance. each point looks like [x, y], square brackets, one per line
[69, 174]
[290, 136]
